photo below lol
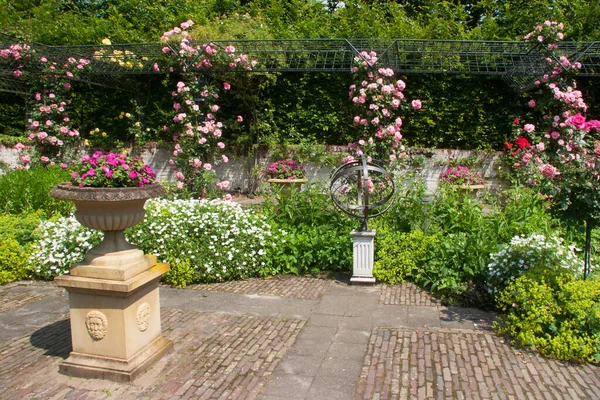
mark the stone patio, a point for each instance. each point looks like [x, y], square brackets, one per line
[290, 338]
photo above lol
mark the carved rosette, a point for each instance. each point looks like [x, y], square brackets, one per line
[142, 317]
[96, 324]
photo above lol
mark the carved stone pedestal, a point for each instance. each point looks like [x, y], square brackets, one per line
[363, 257]
[115, 325]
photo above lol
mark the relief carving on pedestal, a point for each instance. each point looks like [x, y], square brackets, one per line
[96, 324]
[142, 317]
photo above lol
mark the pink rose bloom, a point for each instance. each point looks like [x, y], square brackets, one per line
[221, 145]
[34, 124]
[44, 159]
[529, 128]
[416, 104]
[593, 124]
[548, 171]
[69, 74]
[179, 176]
[207, 166]
[19, 146]
[38, 96]
[226, 86]
[578, 121]
[225, 158]
[48, 122]
[540, 146]
[25, 159]
[179, 185]
[228, 197]
[531, 103]
[17, 73]
[554, 135]
[42, 135]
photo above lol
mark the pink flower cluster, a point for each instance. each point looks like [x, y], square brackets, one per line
[285, 169]
[379, 98]
[111, 170]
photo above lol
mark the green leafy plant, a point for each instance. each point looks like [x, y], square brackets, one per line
[560, 319]
[317, 236]
[13, 260]
[28, 190]
[399, 256]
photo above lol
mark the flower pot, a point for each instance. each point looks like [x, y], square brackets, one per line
[111, 210]
[285, 186]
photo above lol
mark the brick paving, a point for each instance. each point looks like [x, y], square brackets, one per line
[428, 364]
[217, 356]
[406, 294]
[290, 338]
[291, 287]
[15, 295]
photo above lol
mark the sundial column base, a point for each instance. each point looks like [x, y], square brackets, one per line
[363, 249]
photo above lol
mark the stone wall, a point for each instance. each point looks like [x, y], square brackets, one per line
[239, 170]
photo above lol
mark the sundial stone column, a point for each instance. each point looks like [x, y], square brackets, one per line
[363, 250]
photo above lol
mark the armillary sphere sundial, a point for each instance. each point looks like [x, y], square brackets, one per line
[362, 189]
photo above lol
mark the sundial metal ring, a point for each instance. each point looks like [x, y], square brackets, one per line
[362, 189]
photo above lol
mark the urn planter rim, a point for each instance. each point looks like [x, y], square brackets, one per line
[68, 191]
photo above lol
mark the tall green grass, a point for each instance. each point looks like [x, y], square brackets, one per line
[25, 191]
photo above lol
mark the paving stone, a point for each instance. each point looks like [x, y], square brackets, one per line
[423, 317]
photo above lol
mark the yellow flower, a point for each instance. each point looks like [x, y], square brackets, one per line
[97, 130]
[103, 134]
[128, 115]
[121, 115]
[137, 124]
[129, 65]
[86, 143]
[106, 41]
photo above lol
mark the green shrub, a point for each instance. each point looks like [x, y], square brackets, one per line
[13, 260]
[561, 319]
[400, 255]
[317, 234]
[19, 227]
[28, 190]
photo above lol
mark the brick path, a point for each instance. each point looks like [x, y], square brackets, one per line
[290, 338]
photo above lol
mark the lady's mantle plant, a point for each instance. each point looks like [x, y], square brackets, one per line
[111, 170]
[380, 102]
[285, 169]
[461, 176]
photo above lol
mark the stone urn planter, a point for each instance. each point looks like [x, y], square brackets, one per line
[285, 186]
[113, 293]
